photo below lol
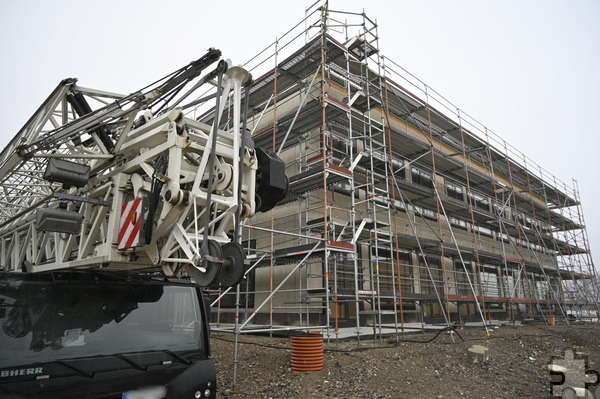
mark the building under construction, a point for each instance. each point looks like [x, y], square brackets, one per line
[401, 208]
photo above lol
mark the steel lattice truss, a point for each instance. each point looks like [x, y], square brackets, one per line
[136, 146]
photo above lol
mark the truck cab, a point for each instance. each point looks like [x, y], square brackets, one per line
[103, 335]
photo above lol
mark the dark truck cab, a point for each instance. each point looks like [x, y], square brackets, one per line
[100, 335]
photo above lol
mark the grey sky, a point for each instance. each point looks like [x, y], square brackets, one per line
[527, 70]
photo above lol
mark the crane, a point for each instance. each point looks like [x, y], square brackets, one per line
[100, 180]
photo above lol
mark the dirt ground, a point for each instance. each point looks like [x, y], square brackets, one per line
[408, 368]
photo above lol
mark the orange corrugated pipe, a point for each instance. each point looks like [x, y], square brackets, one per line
[307, 352]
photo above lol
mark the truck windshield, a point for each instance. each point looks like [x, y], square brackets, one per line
[49, 319]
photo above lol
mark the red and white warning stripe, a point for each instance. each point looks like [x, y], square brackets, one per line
[130, 224]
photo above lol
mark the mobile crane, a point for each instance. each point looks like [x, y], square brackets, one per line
[106, 201]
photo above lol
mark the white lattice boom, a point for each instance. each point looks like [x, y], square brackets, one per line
[139, 146]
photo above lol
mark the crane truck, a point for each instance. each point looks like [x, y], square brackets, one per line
[117, 211]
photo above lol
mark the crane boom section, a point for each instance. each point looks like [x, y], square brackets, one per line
[132, 182]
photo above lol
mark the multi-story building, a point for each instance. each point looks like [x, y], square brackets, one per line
[400, 208]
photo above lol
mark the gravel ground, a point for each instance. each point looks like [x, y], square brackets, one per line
[384, 368]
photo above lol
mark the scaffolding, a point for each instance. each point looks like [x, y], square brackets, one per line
[402, 209]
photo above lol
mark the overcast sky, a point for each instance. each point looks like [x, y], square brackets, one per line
[527, 70]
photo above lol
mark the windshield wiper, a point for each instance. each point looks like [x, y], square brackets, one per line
[76, 369]
[131, 362]
[87, 362]
[178, 357]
